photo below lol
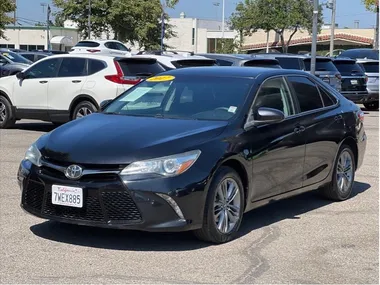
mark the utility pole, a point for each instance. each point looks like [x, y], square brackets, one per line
[315, 35]
[48, 27]
[223, 8]
[332, 5]
[376, 43]
[89, 19]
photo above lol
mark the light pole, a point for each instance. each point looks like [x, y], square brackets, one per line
[377, 27]
[332, 5]
[223, 8]
[48, 27]
[315, 35]
[89, 19]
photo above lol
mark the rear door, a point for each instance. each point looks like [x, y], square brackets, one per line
[322, 126]
[67, 85]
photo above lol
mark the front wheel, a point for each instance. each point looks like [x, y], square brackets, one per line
[343, 179]
[83, 109]
[373, 106]
[7, 119]
[224, 207]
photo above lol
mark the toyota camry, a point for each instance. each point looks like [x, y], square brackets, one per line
[195, 149]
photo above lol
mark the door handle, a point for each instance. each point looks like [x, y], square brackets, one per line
[300, 129]
[337, 118]
[43, 81]
[76, 81]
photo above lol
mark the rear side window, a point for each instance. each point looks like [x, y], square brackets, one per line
[111, 45]
[222, 62]
[190, 63]
[133, 68]
[289, 63]
[328, 100]
[371, 67]
[87, 44]
[321, 65]
[72, 67]
[306, 92]
[347, 67]
[95, 66]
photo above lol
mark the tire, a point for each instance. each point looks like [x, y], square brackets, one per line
[7, 119]
[210, 231]
[372, 106]
[83, 108]
[333, 191]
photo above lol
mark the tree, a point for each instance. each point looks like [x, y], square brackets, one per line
[227, 46]
[239, 22]
[6, 6]
[133, 21]
[371, 4]
[278, 16]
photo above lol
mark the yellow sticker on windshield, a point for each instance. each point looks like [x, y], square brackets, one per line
[161, 78]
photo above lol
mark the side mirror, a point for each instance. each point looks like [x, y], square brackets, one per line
[266, 115]
[20, 75]
[104, 104]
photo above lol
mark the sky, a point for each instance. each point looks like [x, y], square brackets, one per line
[31, 11]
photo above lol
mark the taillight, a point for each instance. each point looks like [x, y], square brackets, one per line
[361, 116]
[366, 79]
[94, 50]
[119, 78]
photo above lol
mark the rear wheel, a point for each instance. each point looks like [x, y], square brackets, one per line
[83, 109]
[224, 207]
[340, 188]
[7, 119]
[373, 106]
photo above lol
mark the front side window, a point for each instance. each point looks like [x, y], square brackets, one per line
[71, 67]
[274, 93]
[43, 69]
[188, 97]
[121, 47]
[306, 92]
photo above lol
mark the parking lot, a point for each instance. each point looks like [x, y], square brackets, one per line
[304, 239]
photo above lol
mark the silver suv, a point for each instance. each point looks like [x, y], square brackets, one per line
[371, 69]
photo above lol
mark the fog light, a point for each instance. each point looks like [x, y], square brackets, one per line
[173, 204]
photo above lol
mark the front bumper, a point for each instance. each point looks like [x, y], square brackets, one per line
[111, 203]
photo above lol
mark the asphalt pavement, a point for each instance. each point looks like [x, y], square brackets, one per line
[304, 239]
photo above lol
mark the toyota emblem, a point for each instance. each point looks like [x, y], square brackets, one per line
[74, 172]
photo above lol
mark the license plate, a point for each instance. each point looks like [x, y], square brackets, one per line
[354, 82]
[67, 196]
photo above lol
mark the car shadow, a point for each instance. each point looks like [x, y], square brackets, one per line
[145, 241]
[36, 127]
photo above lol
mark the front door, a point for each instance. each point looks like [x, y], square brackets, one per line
[31, 92]
[278, 149]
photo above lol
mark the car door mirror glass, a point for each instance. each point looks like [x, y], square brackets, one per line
[20, 75]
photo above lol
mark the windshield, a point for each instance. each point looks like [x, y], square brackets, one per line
[190, 97]
[16, 57]
[348, 67]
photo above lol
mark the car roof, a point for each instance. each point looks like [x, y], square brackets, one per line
[231, 71]
[343, 59]
[100, 41]
[291, 55]
[361, 60]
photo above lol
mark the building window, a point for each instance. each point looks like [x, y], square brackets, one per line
[193, 37]
[7, 46]
[32, 47]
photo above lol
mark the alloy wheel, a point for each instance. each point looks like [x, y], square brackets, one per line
[227, 205]
[3, 112]
[344, 171]
[82, 112]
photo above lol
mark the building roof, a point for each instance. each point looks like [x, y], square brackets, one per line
[308, 40]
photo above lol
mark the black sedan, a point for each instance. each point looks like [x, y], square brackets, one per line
[194, 149]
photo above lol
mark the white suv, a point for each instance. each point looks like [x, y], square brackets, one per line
[103, 47]
[61, 88]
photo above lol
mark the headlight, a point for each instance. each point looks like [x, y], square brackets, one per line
[33, 155]
[172, 165]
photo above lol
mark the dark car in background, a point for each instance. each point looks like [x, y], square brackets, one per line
[371, 69]
[242, 60]
[324, 68]
[34, 56]
[354, 80]
[12, 62]
[364, 53]
[195, 157]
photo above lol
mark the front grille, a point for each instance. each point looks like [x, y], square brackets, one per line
[106, 206]
[34, 195]
[116, 203]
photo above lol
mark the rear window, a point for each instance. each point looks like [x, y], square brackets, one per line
[371, 67]
[87, 44]
[348, 67]
[222, 62]
[289, 63]
[369, 54]
[193, 62]
[321, 65]
[140, 67]
[262, 63]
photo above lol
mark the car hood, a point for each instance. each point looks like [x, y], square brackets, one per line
[115, 139]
